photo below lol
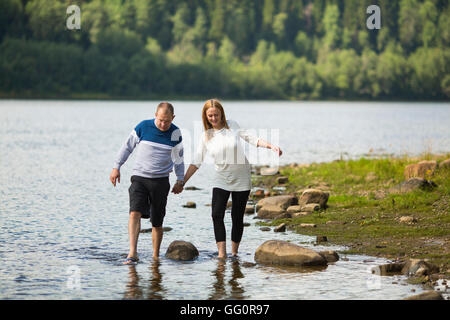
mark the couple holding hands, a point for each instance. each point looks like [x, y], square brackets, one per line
[159, 149]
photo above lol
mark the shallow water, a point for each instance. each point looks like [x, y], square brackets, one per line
[64, 227]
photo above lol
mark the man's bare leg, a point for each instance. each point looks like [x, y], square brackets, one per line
[134, 227]
[157, 235]
[222, 248]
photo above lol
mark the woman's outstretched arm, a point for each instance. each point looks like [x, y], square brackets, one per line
[264, 144]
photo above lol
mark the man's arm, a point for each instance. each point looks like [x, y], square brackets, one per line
[122, 156]
[178, 159]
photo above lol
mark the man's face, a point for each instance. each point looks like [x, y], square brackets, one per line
[163, 119]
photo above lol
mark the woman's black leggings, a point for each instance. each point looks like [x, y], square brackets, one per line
[219, 205]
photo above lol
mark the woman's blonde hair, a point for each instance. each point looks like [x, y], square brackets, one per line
[212, 103]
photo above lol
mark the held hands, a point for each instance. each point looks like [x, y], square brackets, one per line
[177, 188]
[115, 175]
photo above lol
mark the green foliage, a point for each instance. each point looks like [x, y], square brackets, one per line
[286, 49]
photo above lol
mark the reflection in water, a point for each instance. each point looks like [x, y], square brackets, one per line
[219, 290]
[237, 292]
[133, 291]
[155, 289]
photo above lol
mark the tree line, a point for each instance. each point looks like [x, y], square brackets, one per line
[234, 49]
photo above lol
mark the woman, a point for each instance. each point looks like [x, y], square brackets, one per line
[232, 171]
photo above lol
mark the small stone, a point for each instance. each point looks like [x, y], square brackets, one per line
[192, 188]
[248, 264]
[246, 224]
[259, 193]
[407, 219]
[334, 222]
[300, 214]
[321, 239]
[330, 256]
[249, 209]
[311, 207]
[190, 204]
[280, 228]
[264, 229]
[308, 225]
[282, 180]
[269, 171]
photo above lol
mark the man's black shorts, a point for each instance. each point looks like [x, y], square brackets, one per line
[149, 197]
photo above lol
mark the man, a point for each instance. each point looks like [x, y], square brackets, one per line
[159, 149]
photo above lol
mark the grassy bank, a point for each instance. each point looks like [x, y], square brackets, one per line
[363, 215]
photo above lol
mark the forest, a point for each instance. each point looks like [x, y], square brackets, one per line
[228, 49]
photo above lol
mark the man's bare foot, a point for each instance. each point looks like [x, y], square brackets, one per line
[131, 260]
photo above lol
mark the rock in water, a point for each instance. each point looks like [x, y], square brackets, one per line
[280, 228]
[190, 204]
[275, 252]
[329, 255]
[182, 250]
[429, 295]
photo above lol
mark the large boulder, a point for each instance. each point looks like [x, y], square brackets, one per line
[272, 207]
[276, 252]
[283, 202]
[314, 196]
[270, 212]
[422, 169]
[181, 250]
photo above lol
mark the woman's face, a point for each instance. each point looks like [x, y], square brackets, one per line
[214, 117]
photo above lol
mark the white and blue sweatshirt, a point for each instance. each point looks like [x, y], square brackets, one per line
[157, 151]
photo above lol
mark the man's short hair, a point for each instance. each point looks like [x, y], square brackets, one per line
[165, 106]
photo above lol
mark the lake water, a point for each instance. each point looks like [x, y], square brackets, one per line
[64, 227]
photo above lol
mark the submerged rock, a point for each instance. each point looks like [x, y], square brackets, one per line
[181, 250]
[150, 230]
[276, 252]
[192, 188]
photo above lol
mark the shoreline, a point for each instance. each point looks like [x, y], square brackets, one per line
[364, 213]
